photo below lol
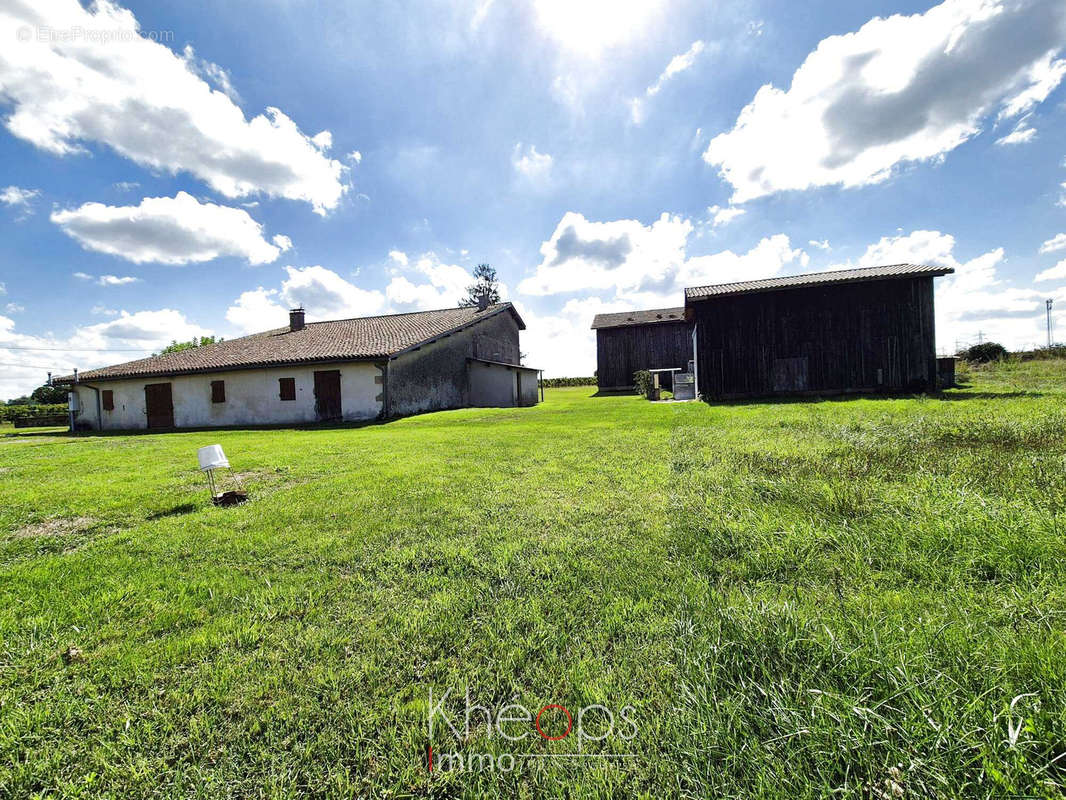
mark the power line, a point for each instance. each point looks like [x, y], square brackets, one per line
[74, 349]
[28, 366]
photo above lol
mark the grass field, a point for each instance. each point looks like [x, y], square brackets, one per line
[860, 597]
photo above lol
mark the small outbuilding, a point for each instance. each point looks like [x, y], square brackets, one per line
[853, 330]
[630, 341]
[339, 370]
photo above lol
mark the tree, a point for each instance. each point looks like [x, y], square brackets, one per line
[176, 346]
[484, 291]
[49, 394]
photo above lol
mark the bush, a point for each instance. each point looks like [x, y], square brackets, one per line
[643, 381]
[983, 353]
[11, 413]
[555, 383]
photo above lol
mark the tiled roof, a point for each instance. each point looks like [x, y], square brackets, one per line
[624, 318]
[334, 340]
[816, 279]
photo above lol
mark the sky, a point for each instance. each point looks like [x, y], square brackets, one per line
[178, 170]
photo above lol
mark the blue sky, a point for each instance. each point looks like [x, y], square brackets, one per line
[180, 169]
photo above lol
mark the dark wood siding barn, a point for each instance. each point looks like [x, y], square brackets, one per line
[861, 330]
[634, 340]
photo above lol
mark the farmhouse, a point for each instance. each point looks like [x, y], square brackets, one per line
[634, 340]
[854, 330]
[340, 370]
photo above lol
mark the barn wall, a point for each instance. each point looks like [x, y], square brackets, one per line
[622, 351]
[859, 337]
[252, 398]
[528, 388]
[434, 377]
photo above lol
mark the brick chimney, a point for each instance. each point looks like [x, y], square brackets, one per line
[296, 319]
[482, 301]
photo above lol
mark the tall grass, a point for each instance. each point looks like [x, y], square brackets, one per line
[860, 597]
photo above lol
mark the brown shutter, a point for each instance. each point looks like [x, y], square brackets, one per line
[108, 399]
[218, 391]
[287, 388]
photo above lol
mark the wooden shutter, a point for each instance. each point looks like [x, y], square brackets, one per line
[108, 399]
[287, 388]
[218, 391]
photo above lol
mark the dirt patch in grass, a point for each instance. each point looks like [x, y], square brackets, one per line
[57, 526]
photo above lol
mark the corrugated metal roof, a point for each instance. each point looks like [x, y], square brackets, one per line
[623, 318]
[816, 279]
[334, 340]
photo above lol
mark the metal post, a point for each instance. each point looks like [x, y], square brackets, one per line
[1049, 324]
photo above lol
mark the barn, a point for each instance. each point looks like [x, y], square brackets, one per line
[854, 330]
[629, 341]
[334, 371]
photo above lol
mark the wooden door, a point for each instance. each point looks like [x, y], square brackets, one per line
[328, 395]
[159, 405]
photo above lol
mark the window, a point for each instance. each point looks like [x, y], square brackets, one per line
[109, 400]
[218, 391]
[287, 386]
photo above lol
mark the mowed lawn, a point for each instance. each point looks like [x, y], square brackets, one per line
[853, 598]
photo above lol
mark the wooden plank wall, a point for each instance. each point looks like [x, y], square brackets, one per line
[860, 337]
[622, 351]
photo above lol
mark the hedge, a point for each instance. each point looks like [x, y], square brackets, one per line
[555, 383]
[11, 413]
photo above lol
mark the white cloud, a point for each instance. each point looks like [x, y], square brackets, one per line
[126, 337]
[1054, 244]
[126, 186]
[560, 342]
[148, 104]
[440, 285]
[588, 27]
[282, 242]
[527, 162]
[1020, 134]
[176, 230]
[16, 196]
[355, 157]
[428, 283]
[765, 260]
[257, 310]
[14, 308]
[106, 280]
[723, 216]
[900, 89]
[1055, 273]
[211, 72]
[644, 264]
[115, 280]
[677, 65]
[326, 295]
[821, 245]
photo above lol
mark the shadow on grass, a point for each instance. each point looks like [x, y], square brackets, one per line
[309, 426]
[184, 508]
[954, 395]
[614, 393]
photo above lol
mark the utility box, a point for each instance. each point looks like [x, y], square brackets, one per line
[684, 386]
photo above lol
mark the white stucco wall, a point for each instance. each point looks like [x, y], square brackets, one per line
[252, 397]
